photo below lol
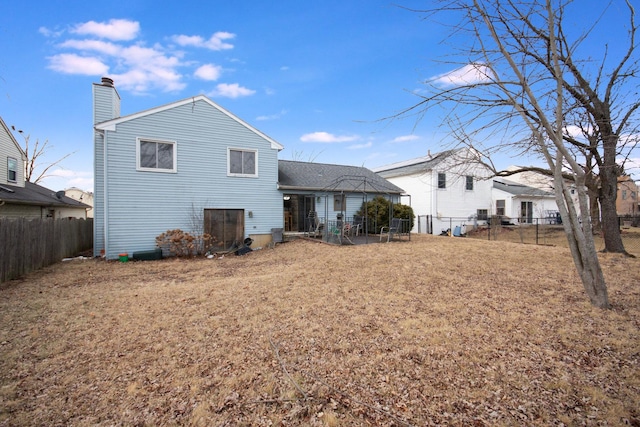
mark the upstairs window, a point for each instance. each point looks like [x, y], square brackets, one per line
[469, 183]
[12, 169]
[242, 162]
[159, 156]
[442, 180]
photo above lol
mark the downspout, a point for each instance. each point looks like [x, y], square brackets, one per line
[434, 197]
[104, 195]
[104, 190]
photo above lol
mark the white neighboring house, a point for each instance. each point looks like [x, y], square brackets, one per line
[83, 196]
[518, 203]
[541, 182]
[22, 199]
[445, 190]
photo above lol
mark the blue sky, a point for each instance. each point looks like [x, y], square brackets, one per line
[315, 76]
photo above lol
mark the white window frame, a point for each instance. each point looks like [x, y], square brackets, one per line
[140, 140]
[444, 181]
[244, 150]
[9, 170]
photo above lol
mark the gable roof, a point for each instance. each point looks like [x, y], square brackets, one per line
[34, 194]
[111, 124]
[12, 139]
[518, 189]
[293, 175]
[416, 165]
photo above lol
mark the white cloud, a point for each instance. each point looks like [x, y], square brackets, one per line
[467, 75]
[70, 63]
[60, 179]
[112, 48]
[360, 146]
[327, 138]
[208, 72]
[93, 45]
[272, 116]
[114, 29]
[50, 33]
[405, 138]
[233, 90]
[215, 42]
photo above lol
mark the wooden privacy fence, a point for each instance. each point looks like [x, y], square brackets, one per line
[29, 244]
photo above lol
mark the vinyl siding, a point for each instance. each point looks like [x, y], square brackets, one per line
[8, 149]
[141, 205]
[106, 104]
[454, 201]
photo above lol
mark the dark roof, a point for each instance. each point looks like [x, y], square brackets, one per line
[33, 194]
[518, 189]
[294, 175]
[418, 164]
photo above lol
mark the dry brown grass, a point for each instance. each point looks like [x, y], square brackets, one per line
[436, 331]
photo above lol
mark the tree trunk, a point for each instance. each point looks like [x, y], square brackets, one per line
[609, 192]
[580, 239]
[593, 190]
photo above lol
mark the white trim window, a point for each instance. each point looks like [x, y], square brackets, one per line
[442, 180]
[12, 169]
[156, 156]
[242, 162]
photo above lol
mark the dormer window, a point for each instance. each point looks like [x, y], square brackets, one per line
[12, 169]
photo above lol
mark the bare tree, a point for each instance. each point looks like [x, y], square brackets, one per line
[517, 91]
[35, 171]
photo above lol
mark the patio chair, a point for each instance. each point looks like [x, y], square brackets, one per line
[392, 230]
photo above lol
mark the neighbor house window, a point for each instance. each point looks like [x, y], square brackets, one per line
[242, 162]
[482, 214]
[339, 202]
[12, 169]
[159, 156]
[442, 180]
[469, 184]
[500, 207]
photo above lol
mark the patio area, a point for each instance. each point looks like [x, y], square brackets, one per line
[354, 231]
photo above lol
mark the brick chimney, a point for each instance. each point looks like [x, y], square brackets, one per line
[106, 101]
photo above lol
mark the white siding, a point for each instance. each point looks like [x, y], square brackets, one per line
[453, 205]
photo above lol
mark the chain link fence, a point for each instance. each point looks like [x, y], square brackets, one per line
[538, 231]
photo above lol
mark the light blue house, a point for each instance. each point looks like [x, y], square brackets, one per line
[188, 165]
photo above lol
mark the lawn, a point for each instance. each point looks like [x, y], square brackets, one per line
[435, 331]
